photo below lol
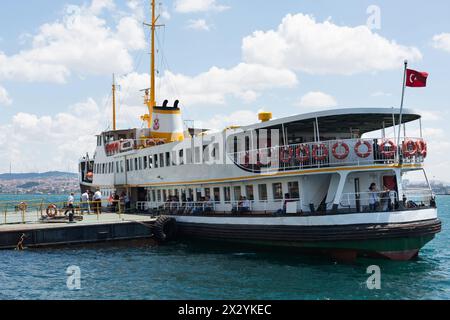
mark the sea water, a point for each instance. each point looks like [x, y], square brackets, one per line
[192, 270]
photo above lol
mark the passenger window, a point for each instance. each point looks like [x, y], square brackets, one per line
[294, 191]
[161, 160]
[277, 191]
[156, 161]
[262, 192]
[249, 192]
[227, 193]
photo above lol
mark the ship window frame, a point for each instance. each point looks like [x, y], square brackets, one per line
[167, 158]
[158, 194]
[252, 197]
[161, 160]
[136, 164]
[145, 162]
[263, 194]
[140, 163]
[208, 193]
[181, 156]
[190, 194]
[156, 161]
[150, 162]
[298, 190]
[277, 196]
[235, 188]
[227, 194]
[216, 195]
[121, 166]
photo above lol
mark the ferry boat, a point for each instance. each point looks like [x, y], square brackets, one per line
[301, 181]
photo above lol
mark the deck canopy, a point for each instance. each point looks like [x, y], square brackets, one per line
[363, 120]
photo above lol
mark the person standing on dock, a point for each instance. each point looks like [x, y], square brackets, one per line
[85, 203]
[98, 201]
[70, 206]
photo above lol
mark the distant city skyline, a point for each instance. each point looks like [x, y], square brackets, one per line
[224, 59]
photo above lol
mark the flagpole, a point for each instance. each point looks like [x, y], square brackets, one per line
[401, 110]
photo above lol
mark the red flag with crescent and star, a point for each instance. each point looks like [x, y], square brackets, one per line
[416, 79]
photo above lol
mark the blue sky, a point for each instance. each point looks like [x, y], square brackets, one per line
[60, 100]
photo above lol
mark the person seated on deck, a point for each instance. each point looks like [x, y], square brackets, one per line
[238, 206]
[199, 206]
[245, 205]
[208, 205]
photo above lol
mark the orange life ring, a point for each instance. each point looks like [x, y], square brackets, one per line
[422, 148]
[340, 156]
[324, 153]
[302, 153]
[409, 148]
[363, 155]
[388, 153]
[286, 154]
[52, 211]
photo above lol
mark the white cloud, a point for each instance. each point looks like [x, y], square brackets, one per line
[316, 99]
[189, 6]
[238, 118]
[4, 97]
[244, 81]
[301, 43]
[442, 41]
[80, 42]
[199, 24]
[381, 94]
[34, 142]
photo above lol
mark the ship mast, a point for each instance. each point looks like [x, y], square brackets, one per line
[114, 102]
[150, 101]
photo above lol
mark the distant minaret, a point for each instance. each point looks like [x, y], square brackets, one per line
[10, 168]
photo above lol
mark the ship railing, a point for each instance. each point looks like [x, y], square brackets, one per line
[362, 201]
[36, 211]
[413, 198]
[387, 201]
[228, 206]
[345, 152]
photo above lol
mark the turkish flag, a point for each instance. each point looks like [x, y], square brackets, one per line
[416, 79]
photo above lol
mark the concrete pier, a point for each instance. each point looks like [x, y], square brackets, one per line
[93, 229]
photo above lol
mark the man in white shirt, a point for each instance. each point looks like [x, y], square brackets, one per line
[70, 202]
[85, 203]
[245, 205]
[98, 201]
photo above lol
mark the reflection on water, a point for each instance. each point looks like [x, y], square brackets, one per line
[207, 270]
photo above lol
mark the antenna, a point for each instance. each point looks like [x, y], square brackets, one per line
[150, 101]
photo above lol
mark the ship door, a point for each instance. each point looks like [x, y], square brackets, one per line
[357, 195]
[120, 173]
